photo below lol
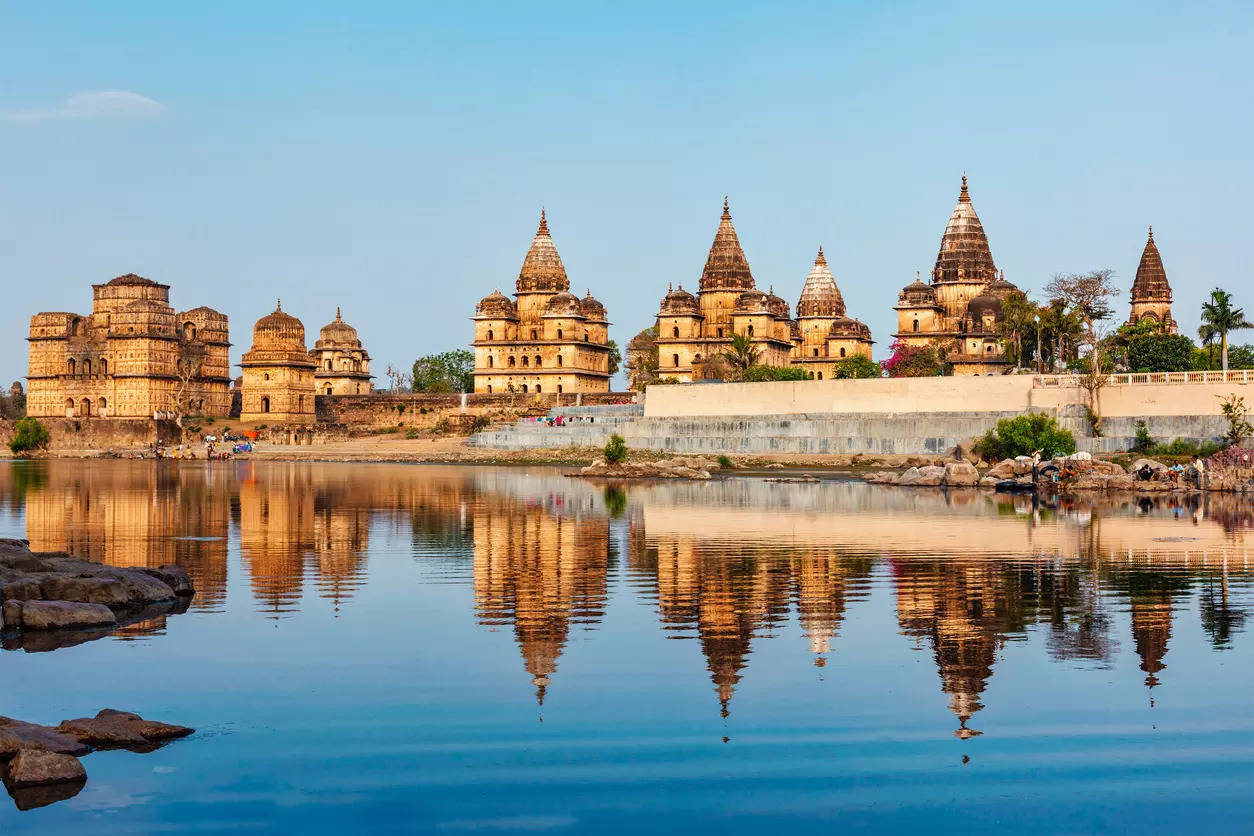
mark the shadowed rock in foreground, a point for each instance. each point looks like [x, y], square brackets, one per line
[52, 600]
[43, 765]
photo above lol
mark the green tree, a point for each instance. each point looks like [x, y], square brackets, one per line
[1018, 319]
[1023, 434]
[616, 357]
[856, 367]
[759, 374]
[28, 435]
[1206, 334]
[1160, 353]
[741, 353]
[615, 450]
[642, 361]
[452, 371]
[1221, 317]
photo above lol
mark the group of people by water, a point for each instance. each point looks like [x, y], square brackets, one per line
[214, 449]
[563, 420]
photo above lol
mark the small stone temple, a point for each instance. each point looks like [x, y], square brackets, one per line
[960, 309]
[343, 364]
[131, 357]
[549, 340]
[693, 329]
[1151, 294]
[278, 372]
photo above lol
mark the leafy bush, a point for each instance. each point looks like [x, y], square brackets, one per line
[29, 434]
[914, 361]
[1236, 413]
[615, 449]
[1185, 447]
[857, 367]
[1144, 440]
[480, 423]
[443, 427]
[726, 463]
[667, 381]
[1021, 435]
[1160, 353]
[411, 433]
[760, 374]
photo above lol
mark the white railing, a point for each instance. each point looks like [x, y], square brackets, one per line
[1047, 381]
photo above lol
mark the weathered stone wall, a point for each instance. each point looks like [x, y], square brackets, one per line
[73, 434]
[384, 410]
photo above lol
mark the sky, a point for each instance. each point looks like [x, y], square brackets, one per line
[392, 158]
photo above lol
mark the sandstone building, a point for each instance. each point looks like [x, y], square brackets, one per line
[694, 329]
[959, 311]
[278, 372]
[1151, 294]
[131, 357]
[549, 340]
[343, 365]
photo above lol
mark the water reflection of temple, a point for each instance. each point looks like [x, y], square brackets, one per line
[539, 569]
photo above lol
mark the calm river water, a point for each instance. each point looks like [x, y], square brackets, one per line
[392, 647]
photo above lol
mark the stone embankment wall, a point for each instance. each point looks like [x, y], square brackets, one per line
[73, 434]
[381, 410]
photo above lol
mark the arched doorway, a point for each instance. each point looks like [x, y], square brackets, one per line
[84, 408]
[265, 404]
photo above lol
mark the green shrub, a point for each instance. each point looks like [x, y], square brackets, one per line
[29, 434]
[442, 426]
[726, 463]
[615, 449]
[1236, 413]
[667, 381]
[422, 410]
[411, 433]
[761, 374]
[1160, 353]
[1021, 435]
[857, 367]
[1185, 447]
[480, 423]
[1143, 439]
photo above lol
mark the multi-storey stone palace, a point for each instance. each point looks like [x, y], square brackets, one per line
[343, 365]
[131, 357]
[549, 340]
[692, 330]
[278, 372]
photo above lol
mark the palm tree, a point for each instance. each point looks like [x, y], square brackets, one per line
[741, 353]
[1018, 316]
[1206, 334]
[1219, 315]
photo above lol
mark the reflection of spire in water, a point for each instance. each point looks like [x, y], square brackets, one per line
[276, 533]
[1151, 629]
[341, 536]
[820, 591]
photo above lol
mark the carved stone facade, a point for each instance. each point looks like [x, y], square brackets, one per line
[694, 329]
[960, 310]
[549, 340]
[133, 356]
[343, 364]
[1151, 294]
[278, 372]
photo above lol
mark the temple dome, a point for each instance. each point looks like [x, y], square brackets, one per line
[844, 326]
[1151, 284]
[985, 303]
[130, 279]
[591, 308]
[917, 293]
[680, 302]
[496, 305]
[820, 297]
[278, 331]
[964, 253]
[751, 301]
[726, 267]
[338, 333]
[1000, 288]
[542, 270]
[563, 304]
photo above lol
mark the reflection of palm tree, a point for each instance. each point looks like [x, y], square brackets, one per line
[1219, 619]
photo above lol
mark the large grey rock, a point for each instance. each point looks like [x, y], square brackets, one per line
[989, 482]
[910, 476]
[175, 577]
[141, 588]
[16, 735]
[52, 615]
[1022, 465]
[961, 474]
[35, 768]
[89, 590]
[121, 728]
[1153, 465]
[20, 588]
[1004, 469]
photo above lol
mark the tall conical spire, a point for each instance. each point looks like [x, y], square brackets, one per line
[542, 270]
[964, 253]
[820, 297]
[1151, 283]
[337, 313]
[726, 267]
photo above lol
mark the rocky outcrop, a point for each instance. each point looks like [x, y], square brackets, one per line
[961, 474]
[56, 592]
[680, 467]
[120, 729]
[16, 736]
[33, 768]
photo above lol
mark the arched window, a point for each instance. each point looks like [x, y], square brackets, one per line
[696, 358]
[524, 388]
[585, 336]
[816, 352]
[916, 325]
[526, 361]
[537, 387]
[720, 333]
[820, 375]
[751, 330]
[300, 404]
[538, 361]
[490, 336]
[489, 388]
[69, 407]
[104, 366]
[328, 364]
[675, 331]
[675, 359]
[559, 388]
[189, 331]
[533, 333]
[842, 352]
[265, 404]
[102, 406]
[265, 376]
[559, 333]
[511, 362]
[489, 361]
[84, 408]
[70, 366]
[328, 389]
[559, 359]
[87, 367]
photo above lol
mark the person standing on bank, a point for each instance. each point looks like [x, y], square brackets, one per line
[1036, 464]
[1199, 472]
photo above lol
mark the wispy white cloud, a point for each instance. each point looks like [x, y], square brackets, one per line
[95, 104]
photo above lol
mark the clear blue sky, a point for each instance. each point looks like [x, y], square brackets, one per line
[392, 158]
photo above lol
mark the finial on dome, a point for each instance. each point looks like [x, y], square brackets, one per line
[963, 197]
[820, 258]
[544, 224]
[1151, 230]
[670, 286]
[726, 211]
[278, 304]
[337, 313]
[918, 276]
